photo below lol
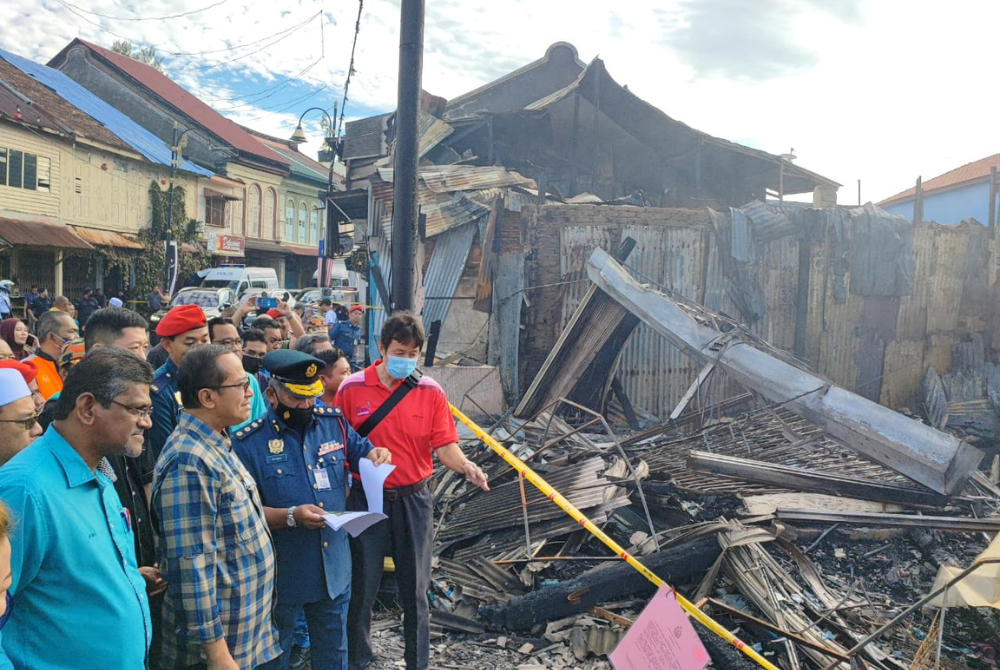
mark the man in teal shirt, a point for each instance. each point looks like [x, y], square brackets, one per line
[79, 600]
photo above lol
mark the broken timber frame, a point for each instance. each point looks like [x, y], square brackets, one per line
[807, 480]
[938, 461]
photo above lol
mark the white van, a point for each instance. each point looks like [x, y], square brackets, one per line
[240, 278]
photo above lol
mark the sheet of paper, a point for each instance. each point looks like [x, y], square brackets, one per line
[662, 638]
[373, 478]
[354, 523]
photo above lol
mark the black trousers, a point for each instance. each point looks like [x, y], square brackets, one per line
[405, 536]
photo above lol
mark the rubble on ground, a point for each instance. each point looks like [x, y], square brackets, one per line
[802, 525]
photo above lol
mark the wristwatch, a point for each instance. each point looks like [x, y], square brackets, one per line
[291, 517]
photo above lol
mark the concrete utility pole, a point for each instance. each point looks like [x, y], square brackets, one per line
[404, 202]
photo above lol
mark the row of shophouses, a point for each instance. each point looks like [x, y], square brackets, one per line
[83, 138]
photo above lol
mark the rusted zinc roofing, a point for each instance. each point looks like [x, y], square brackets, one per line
[663, 134]
[174, 95]
[105, 238]
[38, 234]
[18, 107]
[449, 178]
[451, 250]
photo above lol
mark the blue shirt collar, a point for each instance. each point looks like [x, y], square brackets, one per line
[166, 368]
[75, 469]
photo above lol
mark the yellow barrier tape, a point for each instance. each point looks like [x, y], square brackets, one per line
[568, 507]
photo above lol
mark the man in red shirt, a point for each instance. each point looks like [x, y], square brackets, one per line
[420, 424]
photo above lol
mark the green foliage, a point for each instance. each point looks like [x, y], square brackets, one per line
[151, 264]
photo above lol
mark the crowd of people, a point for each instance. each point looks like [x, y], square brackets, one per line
[166, 509]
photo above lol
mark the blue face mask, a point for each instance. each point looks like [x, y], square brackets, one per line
[399, 367]
[6, 615]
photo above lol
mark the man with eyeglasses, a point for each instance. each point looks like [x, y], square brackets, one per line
[73, 566]
[215, 547]
[18, 417]
[131, 475]
[222, 331]
[54, 329]
[297, 454]
[182, 328]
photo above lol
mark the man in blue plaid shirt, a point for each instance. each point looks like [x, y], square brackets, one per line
[215, 548]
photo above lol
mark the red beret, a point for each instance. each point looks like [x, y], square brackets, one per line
[180, 319]
[273, 313]
[26, 368]
[356, 308]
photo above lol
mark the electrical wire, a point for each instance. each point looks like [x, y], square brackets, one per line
[255, 51]
[245, 44]
[91, 22]
[350, 68]
[146, 18]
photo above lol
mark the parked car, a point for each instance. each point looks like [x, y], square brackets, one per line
[345, 295]
[211, 300]
[240, 278]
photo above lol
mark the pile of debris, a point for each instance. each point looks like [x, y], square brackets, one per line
[800, 516]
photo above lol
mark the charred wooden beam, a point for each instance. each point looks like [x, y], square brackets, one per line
[817, 482]
[965, 524]
[678, 565]
[939, 461]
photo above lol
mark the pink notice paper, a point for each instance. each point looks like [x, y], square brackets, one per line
[662, 638]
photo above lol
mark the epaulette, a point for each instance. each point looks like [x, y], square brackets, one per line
[250, 428]
[327, 411]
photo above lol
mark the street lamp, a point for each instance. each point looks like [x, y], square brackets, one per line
[176, 155]
[328, 123]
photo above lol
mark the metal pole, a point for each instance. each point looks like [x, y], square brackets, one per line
[167, 232]
[404, 202]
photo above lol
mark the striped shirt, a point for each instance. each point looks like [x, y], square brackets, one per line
[215, 551]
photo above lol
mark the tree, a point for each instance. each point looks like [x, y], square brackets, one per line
[151, 264]
[145, 55]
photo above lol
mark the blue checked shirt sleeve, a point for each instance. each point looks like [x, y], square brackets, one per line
[186, 506]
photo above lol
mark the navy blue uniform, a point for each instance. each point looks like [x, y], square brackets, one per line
[314, 566]
[166, 412]
[346, 336]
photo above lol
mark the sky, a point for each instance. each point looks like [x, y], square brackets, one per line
[880, 91]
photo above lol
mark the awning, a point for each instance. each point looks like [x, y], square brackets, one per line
[264, 245]
[213, 194]
[312, 252]
[352, 203]
[105, 238]
[31, 233]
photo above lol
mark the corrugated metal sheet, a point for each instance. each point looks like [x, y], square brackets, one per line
[652, 369]
[771, 222]
[742, 247]
[381, 249]
[30, 233]
[105, 238]
[140, 139]
[449, 178]
[451, 250]
[176, 96]
[505, 322]
[432, 131]
[446, 212]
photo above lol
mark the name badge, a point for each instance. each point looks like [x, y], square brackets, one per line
[322, 479]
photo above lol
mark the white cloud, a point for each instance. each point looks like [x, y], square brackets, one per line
[877, 90]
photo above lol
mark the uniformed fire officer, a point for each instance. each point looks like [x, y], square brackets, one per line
[296, 453]
[181, 328]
